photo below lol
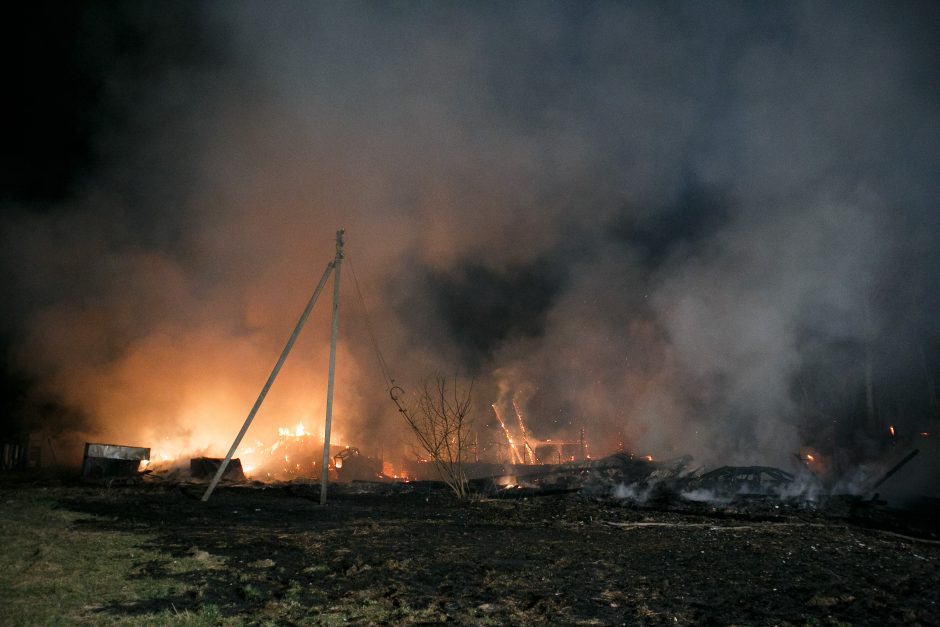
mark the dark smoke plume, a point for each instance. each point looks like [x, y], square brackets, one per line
[684, 228]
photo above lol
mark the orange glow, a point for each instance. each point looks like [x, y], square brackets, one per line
[515, 458]
[185, 393]
[388, 471]
[298, 431]
[891, 429]
[815, 462]
[648, 458]
[293, 453]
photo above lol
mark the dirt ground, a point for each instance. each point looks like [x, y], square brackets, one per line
[275, 556]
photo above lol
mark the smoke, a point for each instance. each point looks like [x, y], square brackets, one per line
[680, 228]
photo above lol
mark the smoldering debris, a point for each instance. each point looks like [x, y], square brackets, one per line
[205, 467]
[674, 483]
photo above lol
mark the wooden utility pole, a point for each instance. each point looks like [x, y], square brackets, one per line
[270, 381]
[325, 474]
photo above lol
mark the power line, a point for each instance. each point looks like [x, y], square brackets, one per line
[383, 365]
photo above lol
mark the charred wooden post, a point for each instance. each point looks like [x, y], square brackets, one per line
[901, 464]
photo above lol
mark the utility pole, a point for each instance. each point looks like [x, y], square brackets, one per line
[270, 381]
[325, 475]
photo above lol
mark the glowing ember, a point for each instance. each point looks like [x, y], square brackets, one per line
[924, 434]
[891, 429]
[813, 461]
[648, 458]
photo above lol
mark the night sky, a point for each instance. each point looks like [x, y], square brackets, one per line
[704, 228]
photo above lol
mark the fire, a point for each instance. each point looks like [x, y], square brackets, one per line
[648, 458]
[298, 432]
[813, 461]
[294, 452]
[891, 429]
[388, 470]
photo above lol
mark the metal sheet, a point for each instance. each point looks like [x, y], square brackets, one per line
[115, 451]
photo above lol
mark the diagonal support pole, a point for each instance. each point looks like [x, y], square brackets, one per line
[270, 382]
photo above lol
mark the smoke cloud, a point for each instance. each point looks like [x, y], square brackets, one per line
[686, 229]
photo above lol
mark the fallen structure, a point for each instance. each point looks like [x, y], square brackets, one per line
[625, 477]
[734, 480]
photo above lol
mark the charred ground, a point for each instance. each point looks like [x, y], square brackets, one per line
[411, 555]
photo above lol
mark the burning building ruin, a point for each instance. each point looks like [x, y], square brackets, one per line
[731, 258]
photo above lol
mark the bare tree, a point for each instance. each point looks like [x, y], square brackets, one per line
[442, 427]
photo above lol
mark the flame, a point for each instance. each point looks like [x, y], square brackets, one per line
[813, 461]
[388, 470]
[891, 429]
[648, 458]
[292, 453]
[924, 434]
[298, 432]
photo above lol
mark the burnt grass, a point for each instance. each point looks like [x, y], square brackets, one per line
[417, 556]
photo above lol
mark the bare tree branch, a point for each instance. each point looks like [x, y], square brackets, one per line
[441, 426]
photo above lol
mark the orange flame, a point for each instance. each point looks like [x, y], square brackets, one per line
[813, 460]
[298, 432]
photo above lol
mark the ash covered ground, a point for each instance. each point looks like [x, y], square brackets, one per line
[409, 554]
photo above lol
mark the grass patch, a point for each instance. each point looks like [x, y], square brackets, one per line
[58, 571]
